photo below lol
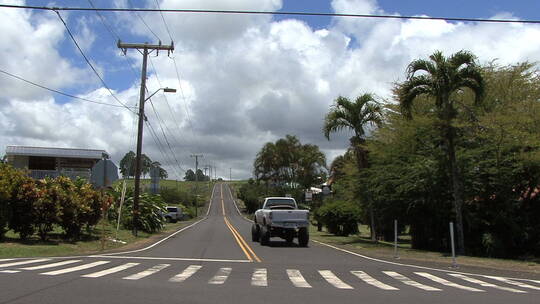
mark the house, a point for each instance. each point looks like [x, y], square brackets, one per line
[52, 162]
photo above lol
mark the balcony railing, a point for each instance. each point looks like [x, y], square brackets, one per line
[68, 172]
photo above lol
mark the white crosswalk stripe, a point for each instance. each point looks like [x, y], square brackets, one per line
[221, 276]
[516, 283]
[23, 262]
[147, 272]
[370, 280]
[485, 284]
[51, 265]
[446, 282]
[76, 268]
[259, 277]
[110, 270]
[5, 260]
[331, 278]
[184, 275]
[407, 281]
[297, 279]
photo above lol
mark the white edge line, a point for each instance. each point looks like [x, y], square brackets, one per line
[169, 259]
[165, 238]
[235, 205]
[413, 266]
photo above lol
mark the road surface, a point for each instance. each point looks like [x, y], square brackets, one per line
[214, 261]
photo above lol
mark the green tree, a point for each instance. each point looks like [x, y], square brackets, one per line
[288, 162]
[162, 172]
[190, 176]
[356, 116]
[442, 79]
[127, 165]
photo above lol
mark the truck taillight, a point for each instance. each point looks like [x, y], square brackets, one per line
[270, 215]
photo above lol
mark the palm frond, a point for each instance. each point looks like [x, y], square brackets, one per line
[411, 89]
[471, 77]
[460, 58]
[420, 65]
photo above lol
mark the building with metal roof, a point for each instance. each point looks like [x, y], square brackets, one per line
[51, 162]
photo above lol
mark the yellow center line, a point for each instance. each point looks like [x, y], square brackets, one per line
[237, 240]
[238, 237]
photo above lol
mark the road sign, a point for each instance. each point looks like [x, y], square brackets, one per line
[104, 173]
[309, 196]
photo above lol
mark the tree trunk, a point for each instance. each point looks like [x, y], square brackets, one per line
[457, 189]
[372, 228]
[363, 163]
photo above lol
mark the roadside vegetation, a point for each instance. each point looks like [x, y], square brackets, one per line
[59, 216]
[458, 143]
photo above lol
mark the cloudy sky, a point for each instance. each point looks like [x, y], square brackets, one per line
[242, 80]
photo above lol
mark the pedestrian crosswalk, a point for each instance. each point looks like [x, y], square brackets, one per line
[385, 280]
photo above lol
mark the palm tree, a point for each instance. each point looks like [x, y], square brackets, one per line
[356, 116]
[441, 78]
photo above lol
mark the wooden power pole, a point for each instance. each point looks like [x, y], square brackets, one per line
[196, 180]
[144, 49]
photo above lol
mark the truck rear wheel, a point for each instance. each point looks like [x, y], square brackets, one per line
[289, 236]
[265, 236]
[303, 237]
[255, 233]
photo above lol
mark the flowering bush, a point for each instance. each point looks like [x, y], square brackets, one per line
[27, 205]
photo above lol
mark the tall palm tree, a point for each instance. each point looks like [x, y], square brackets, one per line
[441, 78]
[355, 115]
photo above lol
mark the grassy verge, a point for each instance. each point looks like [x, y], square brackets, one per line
[384, 250]
[91, 243]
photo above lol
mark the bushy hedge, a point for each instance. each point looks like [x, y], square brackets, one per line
[339, 217]
[28, 205]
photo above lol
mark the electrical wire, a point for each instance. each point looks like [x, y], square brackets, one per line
[164, 22]
[58, 92]
[144, 22]
[90, 64]
[201, 11]
[165, 136]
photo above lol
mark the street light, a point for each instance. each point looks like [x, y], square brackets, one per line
[139, 147]
[166, 90]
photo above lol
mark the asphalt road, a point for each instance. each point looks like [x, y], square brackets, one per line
[214, 261]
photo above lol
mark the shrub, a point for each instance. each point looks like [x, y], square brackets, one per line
[17, 195]
[340, 217]
[151, 210]
[46, 209]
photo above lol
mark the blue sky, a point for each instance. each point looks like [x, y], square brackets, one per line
[246, 80]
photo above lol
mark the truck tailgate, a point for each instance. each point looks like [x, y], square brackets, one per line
[289, 215]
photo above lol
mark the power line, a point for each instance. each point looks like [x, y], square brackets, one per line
[144, 22]
[58, 92]
[171, 110]
[104, 22]
[199, 11]
[164, 22]
[90, 64]
[163, 132]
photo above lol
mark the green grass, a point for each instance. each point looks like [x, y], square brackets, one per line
[361, 243]
[90, 243]
[203, 188]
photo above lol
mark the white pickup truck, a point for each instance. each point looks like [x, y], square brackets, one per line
[280, 217]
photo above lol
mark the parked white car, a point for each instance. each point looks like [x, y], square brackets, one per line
[173, 214]
[280, 217]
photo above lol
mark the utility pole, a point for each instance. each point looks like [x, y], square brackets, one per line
[206, 167]
[230, 174]
[196, 179]
[144, 49]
